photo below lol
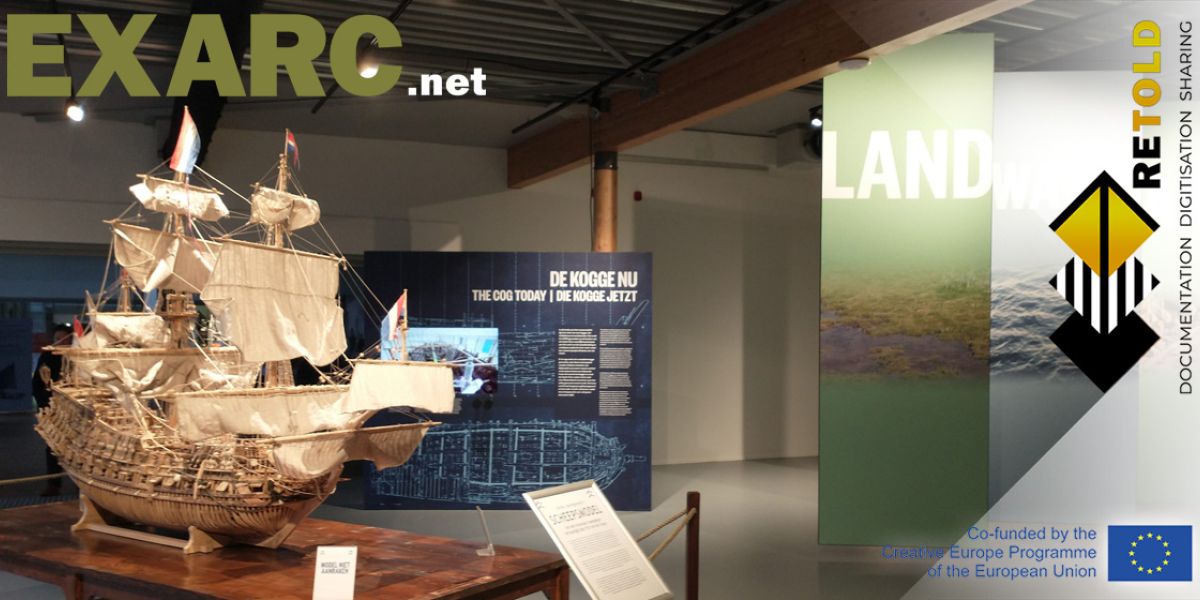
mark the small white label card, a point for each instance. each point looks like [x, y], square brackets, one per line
[595, 544]
[334, 579]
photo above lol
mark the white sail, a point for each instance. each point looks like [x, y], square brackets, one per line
[178, 198]
[270, 206]
[145, 371]
[379, 384]
[157, 259]
[386, 446]
[261, 411]
[310, 456]
[277, 304]
[129, 373]
[140, 330]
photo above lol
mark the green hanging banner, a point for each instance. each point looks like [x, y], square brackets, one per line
[905, 258]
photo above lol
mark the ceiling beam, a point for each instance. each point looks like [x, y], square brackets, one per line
[591, 34]
[795, 45]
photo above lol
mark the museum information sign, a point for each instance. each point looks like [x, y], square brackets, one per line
[551, 359]
[599, 549]
[334, 578]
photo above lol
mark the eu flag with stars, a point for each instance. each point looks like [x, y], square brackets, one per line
[1149, 552]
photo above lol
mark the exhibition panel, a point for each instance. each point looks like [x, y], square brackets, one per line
[904, 294]
[551, 353]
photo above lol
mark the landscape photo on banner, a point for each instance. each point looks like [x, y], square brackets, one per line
[905, 235]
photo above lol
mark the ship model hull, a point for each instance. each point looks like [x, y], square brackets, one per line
[231, 491]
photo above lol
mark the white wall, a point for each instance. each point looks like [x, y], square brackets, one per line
[58, 181]
[366, 187]
[736, 250]
[736, 278]
[547, 217]
[736, 328]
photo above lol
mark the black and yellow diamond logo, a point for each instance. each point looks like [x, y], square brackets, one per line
[1104, 227]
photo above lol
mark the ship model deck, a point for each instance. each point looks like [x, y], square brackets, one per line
[164, 424]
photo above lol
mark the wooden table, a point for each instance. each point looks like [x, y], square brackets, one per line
[36, 542]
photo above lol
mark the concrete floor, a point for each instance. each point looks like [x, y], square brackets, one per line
[758, 531]
[758, 535]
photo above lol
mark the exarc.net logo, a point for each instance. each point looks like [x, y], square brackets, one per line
[1104, 226]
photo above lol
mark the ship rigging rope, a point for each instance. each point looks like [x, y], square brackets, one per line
[152, 441]
[104, 278]
[108, 263]
[351, 268]
[243, 228]
[358, 286]
[19, 480]
[213, 178]
[313, 246]
[267, 174]
[228, 383]
[308, 284]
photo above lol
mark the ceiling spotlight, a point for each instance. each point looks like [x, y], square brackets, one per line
[814, 116]
[368, 61]
[75, 110]
[855, 63]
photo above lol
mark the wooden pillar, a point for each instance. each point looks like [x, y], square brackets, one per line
[604, 210]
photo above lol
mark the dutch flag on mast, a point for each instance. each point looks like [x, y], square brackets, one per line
[187, 145]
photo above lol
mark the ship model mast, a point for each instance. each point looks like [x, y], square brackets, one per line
[215, 438]
[279, 373]
[178, 308]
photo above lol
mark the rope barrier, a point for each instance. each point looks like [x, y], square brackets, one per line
[656, 528]
[685, 514]
[674, 534]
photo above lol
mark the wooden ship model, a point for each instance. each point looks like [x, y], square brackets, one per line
[166, 426]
